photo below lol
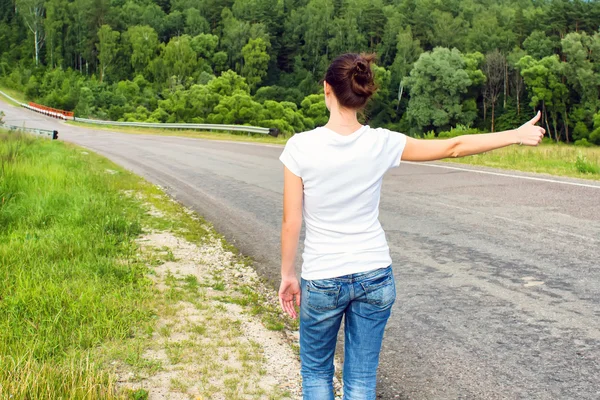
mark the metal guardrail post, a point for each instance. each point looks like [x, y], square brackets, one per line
[42, 132]
[209, 127]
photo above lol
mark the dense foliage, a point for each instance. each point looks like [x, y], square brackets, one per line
[483, 64]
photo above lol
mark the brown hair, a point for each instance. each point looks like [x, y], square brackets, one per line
[351, 78]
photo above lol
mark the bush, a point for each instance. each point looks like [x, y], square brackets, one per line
[283, 126]
[278, 93]
[509, 119]
[581, 131]
[313, 107]
[548, 140]
[583, 143]
[32, 89]
[458, 131]
[586, 167]
[595, 136]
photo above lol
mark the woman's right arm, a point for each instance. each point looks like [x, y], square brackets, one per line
[430, 150]
[293, 195]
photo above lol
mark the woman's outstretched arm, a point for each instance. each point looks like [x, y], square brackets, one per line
[293, 193]
[429, 150]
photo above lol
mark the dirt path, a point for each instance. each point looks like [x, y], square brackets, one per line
[218, 333]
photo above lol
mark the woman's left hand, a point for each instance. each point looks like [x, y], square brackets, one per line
[529, 133]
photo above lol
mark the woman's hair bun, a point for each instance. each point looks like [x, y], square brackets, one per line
[362, 76]
[351, 78]
[361, 66]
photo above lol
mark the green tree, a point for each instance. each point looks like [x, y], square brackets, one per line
[538, 45]
[144, 43]
[228, 83]
[543, 78]
[55, 26]
[239, 108]
[173, 25]
[408, 51]
[235, 36]
[386, 49]
[516, 83]
[219, 61]
[578, 68]
[494, 69]
[486, 34]
[437, 84]
[346, 35]
[447, 30]
[33, 12]
[82, 34]
[205, 45]
[256, 60]
[107, 46]
[180, 59]
[314, 109]
[315, 23]
[195, 23]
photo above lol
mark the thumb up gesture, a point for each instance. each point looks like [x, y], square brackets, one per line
[529, 133]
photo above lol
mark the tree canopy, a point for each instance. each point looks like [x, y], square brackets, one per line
[481, 64]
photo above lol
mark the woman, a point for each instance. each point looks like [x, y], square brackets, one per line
[332, 177]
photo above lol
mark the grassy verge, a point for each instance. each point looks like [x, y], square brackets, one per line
[77, 302]
[234, 137]
[65, 290]
[14, 94]
[559, 160]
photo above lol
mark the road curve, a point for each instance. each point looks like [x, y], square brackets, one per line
[498, 275]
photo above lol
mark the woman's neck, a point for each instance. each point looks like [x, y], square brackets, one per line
[343, 122]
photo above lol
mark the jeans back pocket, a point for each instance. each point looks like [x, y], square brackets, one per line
[322, 294]
[380, 291]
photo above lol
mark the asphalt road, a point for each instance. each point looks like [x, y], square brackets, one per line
[498, 276]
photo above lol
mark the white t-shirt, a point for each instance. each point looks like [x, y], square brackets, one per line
[342, 178]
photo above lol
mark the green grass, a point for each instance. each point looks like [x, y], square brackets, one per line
[70, 279]
[76, 301]
[553, 159]
[14, 94]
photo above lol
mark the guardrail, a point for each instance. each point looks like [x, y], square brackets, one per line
[11, 99]
[49, 111]
[68, 115]
[42, 132]
[209, 127]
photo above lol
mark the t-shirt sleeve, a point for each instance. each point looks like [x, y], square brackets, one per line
[290, 157]
[394, 148]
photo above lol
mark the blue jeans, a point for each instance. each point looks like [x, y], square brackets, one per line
[365, 300]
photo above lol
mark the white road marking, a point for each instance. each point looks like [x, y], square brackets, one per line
[530, 281]
[531, 178]
[533, 283]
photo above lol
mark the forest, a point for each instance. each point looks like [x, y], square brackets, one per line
[443, 67]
